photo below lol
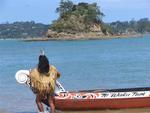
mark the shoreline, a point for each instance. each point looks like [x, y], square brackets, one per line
[105, 37]
[84, 38]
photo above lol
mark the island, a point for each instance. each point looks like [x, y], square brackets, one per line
[84, 21]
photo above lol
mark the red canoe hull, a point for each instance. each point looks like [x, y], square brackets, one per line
[98, 104]
[103, 99]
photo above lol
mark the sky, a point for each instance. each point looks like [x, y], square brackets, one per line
[43, 11]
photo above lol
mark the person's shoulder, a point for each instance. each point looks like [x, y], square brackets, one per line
[33, 71]
[52, 67]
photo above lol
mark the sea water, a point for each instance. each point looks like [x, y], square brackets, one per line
[84, 64]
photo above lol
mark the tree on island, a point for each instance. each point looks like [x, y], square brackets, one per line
[74, 18]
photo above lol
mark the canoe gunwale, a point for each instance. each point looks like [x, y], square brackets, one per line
[115, 90]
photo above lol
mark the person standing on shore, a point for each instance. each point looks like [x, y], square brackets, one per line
[43, 79]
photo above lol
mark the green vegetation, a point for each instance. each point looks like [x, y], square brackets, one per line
[22, 30]
[141, 26]
[76, 18]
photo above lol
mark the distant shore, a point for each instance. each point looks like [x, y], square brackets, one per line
[78, 38]
[84, 38]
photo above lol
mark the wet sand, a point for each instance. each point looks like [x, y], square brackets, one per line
[139, 110]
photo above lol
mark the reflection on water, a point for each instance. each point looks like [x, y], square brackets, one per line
[140, 110]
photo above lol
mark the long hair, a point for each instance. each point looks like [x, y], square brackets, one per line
[43, 65]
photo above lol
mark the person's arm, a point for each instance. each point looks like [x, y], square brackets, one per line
[58, 74]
